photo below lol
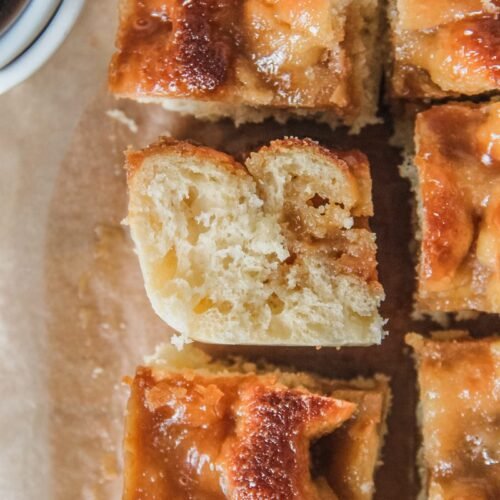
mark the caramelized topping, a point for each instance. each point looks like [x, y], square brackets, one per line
[452, 46]
[247, 436]
[460, 398]
[459, 173]
[179, 48]
[269, 454]
[425, 14]
[257, 52]
[354, 448]
[461, 57]
[290, 43]
[330, 221]
[175, 429]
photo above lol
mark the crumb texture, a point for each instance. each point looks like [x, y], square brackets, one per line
[277, 254]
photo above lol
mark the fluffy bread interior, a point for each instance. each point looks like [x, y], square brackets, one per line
[275, 257]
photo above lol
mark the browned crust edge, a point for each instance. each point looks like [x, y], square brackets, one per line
[330, 154]
[165, 145]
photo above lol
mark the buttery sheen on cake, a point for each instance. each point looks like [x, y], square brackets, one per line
[459, 380]
[250, 59]
[444, 48]
[457, 182]
[200, 429]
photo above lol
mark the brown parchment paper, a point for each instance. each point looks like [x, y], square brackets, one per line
[100, 323]
[37, 121]
[73, 313]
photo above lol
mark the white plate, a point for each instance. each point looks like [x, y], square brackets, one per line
[26, 29]
[47, 43]
[14, 14]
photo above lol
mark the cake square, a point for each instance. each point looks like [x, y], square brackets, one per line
[456, 177]
[250, 59]
[459, 380]
[274, 252]
[444, 48]
[196, 428]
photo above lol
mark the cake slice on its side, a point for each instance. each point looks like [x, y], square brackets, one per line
[459, 380]
[204, 429]
[278, 252]
[252, 59]
[443, 48]
[455, 175]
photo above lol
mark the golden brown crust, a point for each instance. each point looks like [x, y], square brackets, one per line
[238, 434]
[355, 447]
[167, 146]
[183, 48]
[352, 160]
[459, 185]
[447, 49]
[448, 223]
[269, 454]
[425, 14]
[460, 402]
[251, 433]
[287, 54]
